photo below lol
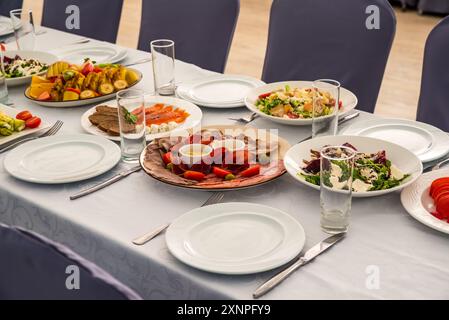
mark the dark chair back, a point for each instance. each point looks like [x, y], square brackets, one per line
[433, 104]
[202, 29]
[99, 19]
[8, 5]
[34, 267]
[314, 39]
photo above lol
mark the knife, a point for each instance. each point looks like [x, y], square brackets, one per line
[106, 183]
[340, 121]
[306, 258]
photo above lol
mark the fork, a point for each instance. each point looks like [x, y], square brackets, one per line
[216, 197]
[52, 131]
[245, 120]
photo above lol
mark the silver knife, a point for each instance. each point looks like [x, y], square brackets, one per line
[340, 121]
[106, 183]
[307, 257]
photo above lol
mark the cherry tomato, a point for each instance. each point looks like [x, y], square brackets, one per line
[264, 95]
[167, 158]
[24, 115]
[33, 122]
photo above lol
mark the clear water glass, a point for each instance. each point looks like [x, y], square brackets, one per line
[23, 25]
[337, 165]
[131, 111]
[163, 60]
[3, 87]
[326, 97]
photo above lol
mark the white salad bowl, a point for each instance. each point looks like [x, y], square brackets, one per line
[402, 158]
[43, 57]
[348, 99]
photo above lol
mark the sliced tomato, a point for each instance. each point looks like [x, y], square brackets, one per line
[264, 95]
[440, 195]
[252, 171]
[73, 90]
[438, 182]
[33, 122]
[167, 158]
[438, 189]
[221, 173]
[442, 206]
[97, 69]
[44, 96]
[194, 175]
[24, 115]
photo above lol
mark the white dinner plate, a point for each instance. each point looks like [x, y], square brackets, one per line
[418, 203]
[402, 158]
[80, 102]
[218, 91]
[97, 53]
[348, 99]
[235, 238]
[43, 57]
[426, 141]
[62, 159]
[192, 121]
[26, 132]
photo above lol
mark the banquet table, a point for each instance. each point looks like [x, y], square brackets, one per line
[387, 254]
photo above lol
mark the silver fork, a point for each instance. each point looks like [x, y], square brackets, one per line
[245, 120]
[53, 130]
[216, 197]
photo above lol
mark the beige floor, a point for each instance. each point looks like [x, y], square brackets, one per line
[400, 89]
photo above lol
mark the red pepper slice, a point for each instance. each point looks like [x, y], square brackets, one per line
[194, 175]
[73, 90]
[221, 173]
[252, 171]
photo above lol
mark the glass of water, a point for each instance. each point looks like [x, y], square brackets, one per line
[23, 25]
[337, 165]
[131, 112]
[326, 97]
[163, 59]
[3, 87]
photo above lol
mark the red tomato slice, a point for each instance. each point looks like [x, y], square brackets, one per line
[24, 115]
[44, 96]
[264, 95]
[439, 189]
[194, 175]
[442, 206]
[221, 173]
[440, 195]
[251, 171]
[33, 122]
[438, 182]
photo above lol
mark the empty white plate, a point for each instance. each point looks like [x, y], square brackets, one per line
[235, 238]
[425, 141]
[97, 53]
[418, 203]
[62, 159]
[218, 91]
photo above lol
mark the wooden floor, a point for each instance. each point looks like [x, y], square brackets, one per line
[400, 89]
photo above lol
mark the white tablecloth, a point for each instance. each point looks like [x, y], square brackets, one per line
[408, 259]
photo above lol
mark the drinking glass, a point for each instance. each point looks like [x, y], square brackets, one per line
[23, 25]
[337, 165]
[131, 112]
[326, 97]
[163, 59]
[3, 87]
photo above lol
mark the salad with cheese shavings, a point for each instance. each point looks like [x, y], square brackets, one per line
[295, 103]
[20, 67]
[372, 171]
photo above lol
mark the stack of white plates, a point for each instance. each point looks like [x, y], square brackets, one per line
[220, 91]
[427, 142]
